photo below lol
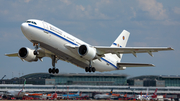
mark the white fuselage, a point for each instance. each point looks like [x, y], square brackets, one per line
[15, 93]
[102, 96]
[54, 40]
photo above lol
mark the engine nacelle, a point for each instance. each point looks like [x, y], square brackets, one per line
[27, 54]
[87, 52]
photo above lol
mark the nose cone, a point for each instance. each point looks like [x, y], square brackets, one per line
[26, 31]
[24, 27]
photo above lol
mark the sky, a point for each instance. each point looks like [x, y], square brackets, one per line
[152, 23]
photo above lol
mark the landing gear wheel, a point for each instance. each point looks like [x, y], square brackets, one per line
[53, 70]
[90, 69]
[57, 71]
[50, 70]
[87, 69]
[93, 69]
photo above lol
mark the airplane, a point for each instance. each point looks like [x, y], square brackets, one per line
[1, 95]
[148, 97]
[50, 41]
[103, 96]
[16, 93]
[154, 96]
[70, 95]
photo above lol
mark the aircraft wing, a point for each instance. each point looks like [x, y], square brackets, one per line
[134, 65]
[12, 55]
[42, 53]
[130, 50]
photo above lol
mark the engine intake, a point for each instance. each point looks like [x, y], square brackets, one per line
[87, 52]
[27, 54]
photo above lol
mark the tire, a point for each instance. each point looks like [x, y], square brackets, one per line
[53, 70]
[90, 69]
[50, 70]
[57, 71]
[87, 69]
[93, 69]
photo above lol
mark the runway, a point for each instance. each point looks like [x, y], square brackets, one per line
[72, 100]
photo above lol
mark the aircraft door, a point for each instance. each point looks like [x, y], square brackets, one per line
[45, 27]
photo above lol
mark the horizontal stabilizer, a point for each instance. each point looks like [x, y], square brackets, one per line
[130, 50]
[134, 65]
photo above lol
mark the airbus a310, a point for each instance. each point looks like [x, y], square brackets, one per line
[50, 41]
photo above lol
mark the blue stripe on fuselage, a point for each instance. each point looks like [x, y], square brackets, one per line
[66, 40]
[53, 34]
[109, 63]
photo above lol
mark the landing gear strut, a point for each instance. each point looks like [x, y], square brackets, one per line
[54, 69]
[90, 68]
[53, 57]
[36, 48]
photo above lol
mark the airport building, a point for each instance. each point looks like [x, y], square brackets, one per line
[87, 79]
[70, 79]
[155, 81]
[94, 82]
[96, 79]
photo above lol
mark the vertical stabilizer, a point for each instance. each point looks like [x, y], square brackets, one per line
[147, 92]
[121, 41]
[111, 92]
[155, 93]
[24, 84]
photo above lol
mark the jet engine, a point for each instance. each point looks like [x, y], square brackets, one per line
[87, 52]
[27, 54]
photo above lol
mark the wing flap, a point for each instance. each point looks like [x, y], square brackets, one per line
[134, 65]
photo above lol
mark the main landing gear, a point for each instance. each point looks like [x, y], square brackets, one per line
[54, 69]
[53, 57]
[90, 68]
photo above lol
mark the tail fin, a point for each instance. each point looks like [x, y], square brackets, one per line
[147, 91]
[125, 95]
[121, 41]
[78, 93]
[111, 92]
[155, 93]
[22, 88]
[24, 84]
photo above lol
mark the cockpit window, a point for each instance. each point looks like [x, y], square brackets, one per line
[31, 22]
